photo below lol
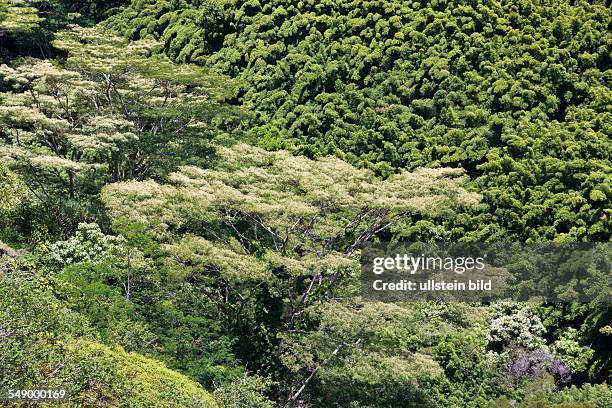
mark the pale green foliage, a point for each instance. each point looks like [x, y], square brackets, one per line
[245, 391]
[137, 381]
[607, 330]
[192, 254]
[13, 193]
[196, 252]
[97, 52]
[106, 53]
[276, 211]
[367, 352]
[33, 118]
[383, 327]
[18, 16]
[296, 199]
[47, 133]
[112, 111]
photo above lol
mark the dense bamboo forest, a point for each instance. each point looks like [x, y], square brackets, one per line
[187, 188]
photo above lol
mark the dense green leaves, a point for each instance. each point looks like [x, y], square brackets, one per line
[43, 344]
[516, 92]
[185, 190]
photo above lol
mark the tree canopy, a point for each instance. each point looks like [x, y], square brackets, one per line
[188, 189]
[111, 111]
[517, 93]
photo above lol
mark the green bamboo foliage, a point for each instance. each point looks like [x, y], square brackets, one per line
[515, 92]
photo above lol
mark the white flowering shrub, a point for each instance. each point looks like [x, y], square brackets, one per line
[522, 327]
[88, 245]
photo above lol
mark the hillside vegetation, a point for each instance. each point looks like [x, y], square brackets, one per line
[186, 187]
[515, 92]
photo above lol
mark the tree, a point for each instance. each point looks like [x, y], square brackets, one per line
[265, 235]
[18, 16]
[112, 111]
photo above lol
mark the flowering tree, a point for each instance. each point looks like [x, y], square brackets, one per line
[112, 111]
[17, 16]
[266, 235]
